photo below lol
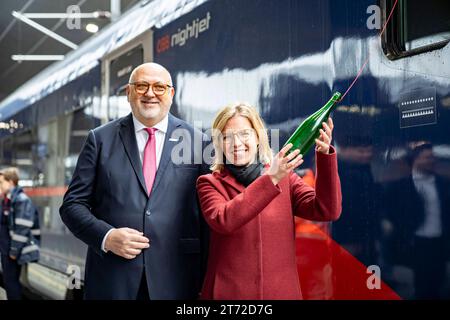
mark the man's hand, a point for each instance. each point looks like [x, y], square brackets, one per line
[12, 257]
[126, 242]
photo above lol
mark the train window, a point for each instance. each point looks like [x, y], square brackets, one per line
[118, 104]
[19, 151]
[80, 124]
[417, 26]
[119, 71]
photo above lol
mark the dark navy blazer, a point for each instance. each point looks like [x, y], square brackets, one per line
[108, 190]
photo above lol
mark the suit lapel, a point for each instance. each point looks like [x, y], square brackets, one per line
[128, 137]
[167, 150]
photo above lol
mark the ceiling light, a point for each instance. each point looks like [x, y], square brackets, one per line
[92, 28]
[30, 57]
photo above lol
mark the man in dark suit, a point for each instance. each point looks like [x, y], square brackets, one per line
[418, 211]
[133, 201]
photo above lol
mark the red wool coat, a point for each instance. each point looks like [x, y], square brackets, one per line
[252, 243]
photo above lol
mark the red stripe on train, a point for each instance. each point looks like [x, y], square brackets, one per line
[46, 191]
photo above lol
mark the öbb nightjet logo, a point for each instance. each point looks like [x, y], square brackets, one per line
[191, 30]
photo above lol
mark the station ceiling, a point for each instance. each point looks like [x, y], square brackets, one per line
[19, 38]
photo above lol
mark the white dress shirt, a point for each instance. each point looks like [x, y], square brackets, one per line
[426, 186]
[141, 139]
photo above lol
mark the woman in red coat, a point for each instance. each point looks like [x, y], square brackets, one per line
[249, 202]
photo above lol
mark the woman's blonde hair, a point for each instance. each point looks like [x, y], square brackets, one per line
[249, 112]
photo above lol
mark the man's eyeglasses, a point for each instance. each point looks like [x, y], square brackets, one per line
[243, 135]
[158, 88]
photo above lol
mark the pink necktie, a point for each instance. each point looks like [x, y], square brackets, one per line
[149, 161]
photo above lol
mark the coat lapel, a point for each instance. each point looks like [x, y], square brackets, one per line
[231, 181]
[128, 137]
[167, 150]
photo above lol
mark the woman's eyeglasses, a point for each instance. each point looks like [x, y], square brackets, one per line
[243, 135]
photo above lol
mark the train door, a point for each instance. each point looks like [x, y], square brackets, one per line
[414, 167]
[116, 70]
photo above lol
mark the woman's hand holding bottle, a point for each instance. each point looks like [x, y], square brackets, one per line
[283, 164]
[324, 140]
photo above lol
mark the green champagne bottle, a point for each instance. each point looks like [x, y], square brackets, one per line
[306, 133]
